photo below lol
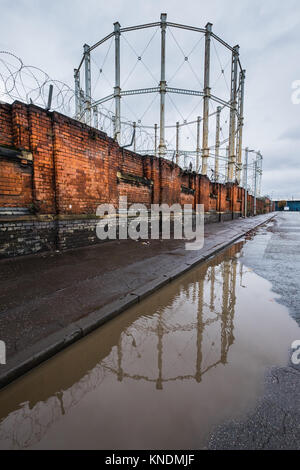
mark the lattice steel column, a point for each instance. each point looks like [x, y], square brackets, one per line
[217, 151]
[77, 93]
[227, 163]
[200, 330]
[225, 310]
[246, 181]
[155, 139]
[88, 83]
[162, 86]
[233, 110]
[198, 145]
[255, 185]
[205, 149]
[134, 136]
[117, 89]
[160, 335]
[241, 125]
[260, 173]
[177, 143]
[96, 117]
[212, 288]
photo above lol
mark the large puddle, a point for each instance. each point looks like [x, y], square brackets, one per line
[163, 374]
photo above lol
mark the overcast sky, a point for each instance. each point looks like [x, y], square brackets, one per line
[51, 35]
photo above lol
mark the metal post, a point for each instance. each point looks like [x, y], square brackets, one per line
[225, 309]
[120, 374]
[177, 143]
[82, 105]
[246, 181]
[217, 151]
[117, 89]
[212, 288]
[260, 173]
[134, 136]
[200, 330]
[241, 125]
[205, 149]
[155, 139]
[88, 83]
[255, 184]
[162, 85]
[77, 93]
[198, 145]
[96, 117]
[233, 109]
[50, 95]
[227, 163]
[160, 335]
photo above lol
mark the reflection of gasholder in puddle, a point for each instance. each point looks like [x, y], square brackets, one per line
[170, 368]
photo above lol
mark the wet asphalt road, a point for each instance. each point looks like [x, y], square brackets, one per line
[42, 294]
[198, 352]
[274, 424]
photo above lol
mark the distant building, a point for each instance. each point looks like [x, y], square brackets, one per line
[292, 206]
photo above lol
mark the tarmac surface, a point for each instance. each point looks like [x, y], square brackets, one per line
[49, 301]
[274, 423]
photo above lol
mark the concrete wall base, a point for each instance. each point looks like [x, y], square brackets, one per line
[27, 235]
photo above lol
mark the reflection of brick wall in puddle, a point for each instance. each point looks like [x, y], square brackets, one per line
[75, 168]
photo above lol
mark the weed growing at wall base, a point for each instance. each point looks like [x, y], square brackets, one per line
[164, 222]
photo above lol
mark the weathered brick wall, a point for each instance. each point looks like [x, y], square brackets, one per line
[73, 168]
[26, 235]
[6, 132]
[76, 168]
[134, 178]
[20, 126]
[213, 197]
[41, 145]
[170, 182]
[204, 192]
[85, 167]
[15, 184]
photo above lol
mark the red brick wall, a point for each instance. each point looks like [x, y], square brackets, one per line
[15, 184]
[204, 192]
[141, 194]
[6, 132]
[20, 126]
[170, 182]
[83, 163]
[132, 164]
[41, 146]
[213, 197]
[75, 168]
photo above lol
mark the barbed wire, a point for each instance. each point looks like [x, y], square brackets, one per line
[31, 84]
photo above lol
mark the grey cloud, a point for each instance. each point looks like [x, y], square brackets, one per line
[291, 134]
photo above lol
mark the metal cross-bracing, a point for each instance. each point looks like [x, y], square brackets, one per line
[168, 129]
